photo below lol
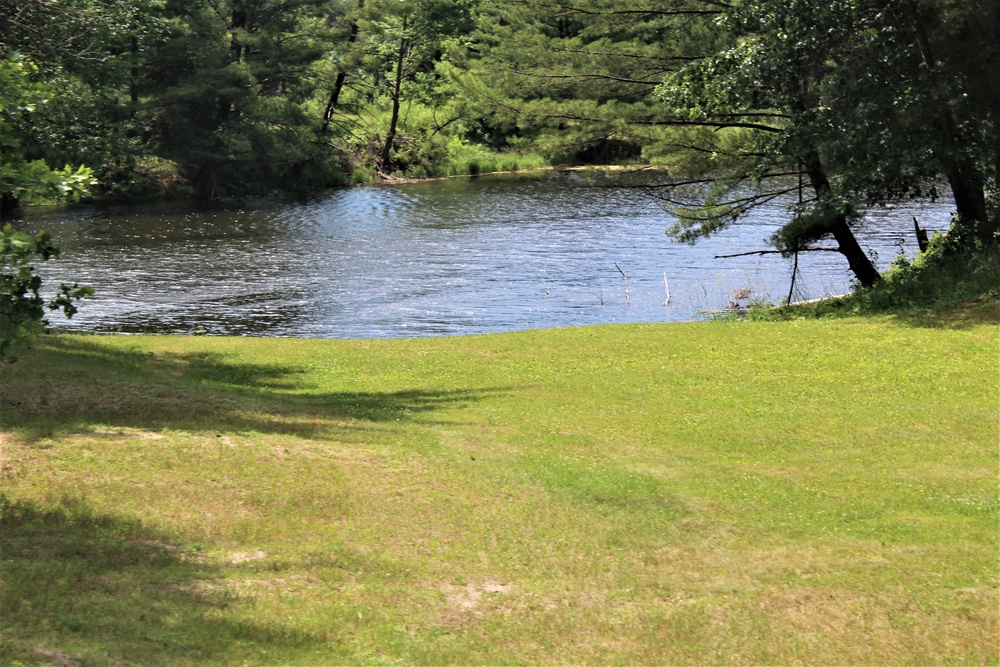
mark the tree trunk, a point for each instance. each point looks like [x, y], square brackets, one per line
[331, 106]
[133, 84]
[967, 180]
[967, 188]
[338, 84]
[860, 264]
[390, 136]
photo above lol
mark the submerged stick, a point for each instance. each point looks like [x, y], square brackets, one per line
[628, 299]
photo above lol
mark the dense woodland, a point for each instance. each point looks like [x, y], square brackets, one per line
[847, 102]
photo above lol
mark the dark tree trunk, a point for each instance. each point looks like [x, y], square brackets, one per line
[860, 264]
[968, 190]
[863, 269]
[390, 137]
[967, 180]
[133, 85]
[338, 84]
[331, 105]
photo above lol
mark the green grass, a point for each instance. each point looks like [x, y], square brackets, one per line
[819, 492]
[473, 160]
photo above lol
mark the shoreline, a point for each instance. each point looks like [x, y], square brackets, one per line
[390, 180]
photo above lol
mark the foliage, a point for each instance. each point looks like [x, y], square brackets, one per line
[249, 95]
[847, 92]
[411, 108]
[234, 80]
[90, 57]
[576, 79]
[27, 181]
[22, 308]
[21, 179]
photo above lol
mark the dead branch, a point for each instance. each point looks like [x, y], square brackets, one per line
[775, 252]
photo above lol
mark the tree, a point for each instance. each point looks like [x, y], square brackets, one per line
[772, 76]
[22, 308]
[916, 95]
[91, 55]
[23, 181]
[866, 101]
[344, 61]
[231, 88]
[859, 103]
[228, 97]
[397, 81]
[397, 28]
[576, 78]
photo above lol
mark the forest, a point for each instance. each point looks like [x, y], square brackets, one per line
[856, 102]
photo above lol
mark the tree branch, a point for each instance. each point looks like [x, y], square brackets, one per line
[775, 252]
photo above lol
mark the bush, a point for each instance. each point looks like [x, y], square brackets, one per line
[22, 309]
[142, 179]
[939, 279]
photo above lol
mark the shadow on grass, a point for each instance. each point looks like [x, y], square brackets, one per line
[79, 587]
[70, 384]
[984, 310]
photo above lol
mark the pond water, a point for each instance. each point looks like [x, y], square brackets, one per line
[459, 256]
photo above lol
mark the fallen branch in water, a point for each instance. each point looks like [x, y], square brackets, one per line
[628, 299]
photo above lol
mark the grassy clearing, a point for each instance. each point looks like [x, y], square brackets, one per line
[730, 492]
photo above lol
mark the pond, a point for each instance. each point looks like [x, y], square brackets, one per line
[457, 256]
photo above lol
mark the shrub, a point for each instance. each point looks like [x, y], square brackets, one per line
[22, 309]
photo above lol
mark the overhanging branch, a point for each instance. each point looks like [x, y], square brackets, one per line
[775, 252]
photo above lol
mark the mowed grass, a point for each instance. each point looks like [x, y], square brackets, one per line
[820, 492]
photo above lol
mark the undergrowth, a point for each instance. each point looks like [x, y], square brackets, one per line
[938, 281]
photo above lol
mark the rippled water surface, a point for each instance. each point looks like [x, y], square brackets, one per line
[457, 256]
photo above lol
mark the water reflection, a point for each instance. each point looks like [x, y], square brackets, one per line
[442, 257]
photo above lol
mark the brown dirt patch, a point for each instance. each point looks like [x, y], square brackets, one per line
[238, 557]
[465, 603]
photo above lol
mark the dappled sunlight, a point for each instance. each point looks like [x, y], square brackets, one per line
[978, 312]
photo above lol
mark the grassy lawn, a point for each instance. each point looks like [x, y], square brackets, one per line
[726, 492]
